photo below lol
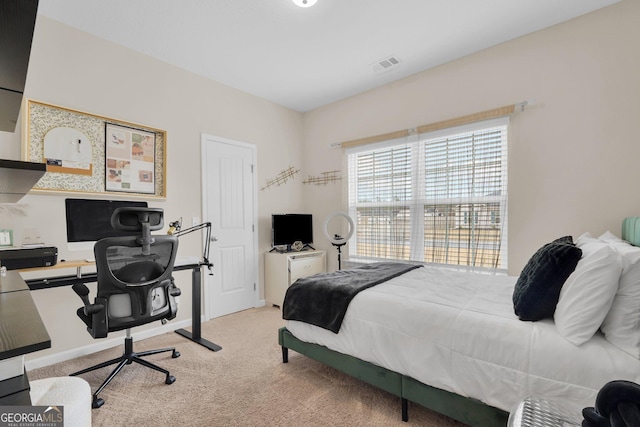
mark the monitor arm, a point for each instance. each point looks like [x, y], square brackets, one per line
[175, 229]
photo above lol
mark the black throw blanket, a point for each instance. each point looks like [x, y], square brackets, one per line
[322, 299]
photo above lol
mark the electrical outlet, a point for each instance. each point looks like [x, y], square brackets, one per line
[195, 221]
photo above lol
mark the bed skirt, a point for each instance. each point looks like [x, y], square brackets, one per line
[465, 410]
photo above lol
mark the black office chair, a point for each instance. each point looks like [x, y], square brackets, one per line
[135, 287]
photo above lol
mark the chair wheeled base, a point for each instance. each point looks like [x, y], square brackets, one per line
[128, 357]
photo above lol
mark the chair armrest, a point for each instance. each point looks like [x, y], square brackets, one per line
[99, 322]
[94, 314]
[92, 309]
[83, 292]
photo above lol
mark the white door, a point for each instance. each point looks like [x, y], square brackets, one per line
[229, 203]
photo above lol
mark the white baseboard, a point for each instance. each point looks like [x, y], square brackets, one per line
[261, 303]
[103, 344]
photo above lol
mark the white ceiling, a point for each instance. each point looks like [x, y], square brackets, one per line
[303, 58]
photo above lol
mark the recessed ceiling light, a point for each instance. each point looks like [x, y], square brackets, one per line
[305, 3]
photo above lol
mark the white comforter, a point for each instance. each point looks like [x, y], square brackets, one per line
[457, 331]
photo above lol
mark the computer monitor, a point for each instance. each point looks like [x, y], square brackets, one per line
[89, 220]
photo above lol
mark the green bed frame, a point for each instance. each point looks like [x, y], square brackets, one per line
[465, 410]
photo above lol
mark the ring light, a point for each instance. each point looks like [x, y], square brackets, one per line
[336, 239]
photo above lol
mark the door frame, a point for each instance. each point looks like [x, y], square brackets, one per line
[205, 140]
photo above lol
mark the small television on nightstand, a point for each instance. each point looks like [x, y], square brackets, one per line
[286, 229]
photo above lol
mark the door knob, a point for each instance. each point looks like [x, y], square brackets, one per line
[214, 238]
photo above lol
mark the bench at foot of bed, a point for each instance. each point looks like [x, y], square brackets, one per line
[468, 411]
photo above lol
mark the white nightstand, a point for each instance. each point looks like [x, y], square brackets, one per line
[282, 269]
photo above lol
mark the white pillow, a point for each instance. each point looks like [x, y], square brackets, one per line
[621, 326]
[586, 296]
[609, 237]
[585, 238]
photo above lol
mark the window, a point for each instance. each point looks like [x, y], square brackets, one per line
[439, 197]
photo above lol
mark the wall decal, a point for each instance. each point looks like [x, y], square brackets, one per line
[324, 178]
[281, 178]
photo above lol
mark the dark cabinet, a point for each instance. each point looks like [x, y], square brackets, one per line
[17, 22]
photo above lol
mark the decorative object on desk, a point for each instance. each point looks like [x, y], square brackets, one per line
[297, 246]
[67, 150]
[175, 226]
[281, 178]
[324, 178]
[40, 118]
[130, 159]
[6, 237]
[31, 236]
[337, 240]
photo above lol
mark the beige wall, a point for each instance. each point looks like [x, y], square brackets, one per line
[573, 155]
[76, 70]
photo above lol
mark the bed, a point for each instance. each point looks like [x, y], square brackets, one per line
[451, 341]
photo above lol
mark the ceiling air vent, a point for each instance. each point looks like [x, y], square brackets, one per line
[387, 64]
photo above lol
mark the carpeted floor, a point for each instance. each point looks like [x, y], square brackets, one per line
[244, 384]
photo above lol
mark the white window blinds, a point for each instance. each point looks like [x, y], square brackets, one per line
[439, 197]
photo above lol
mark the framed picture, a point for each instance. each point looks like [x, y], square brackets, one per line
[129, 159]
[6, 238]
[73, 146]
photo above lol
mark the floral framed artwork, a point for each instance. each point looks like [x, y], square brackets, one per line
[129, 159]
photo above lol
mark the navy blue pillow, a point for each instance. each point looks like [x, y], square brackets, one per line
[537, 290]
